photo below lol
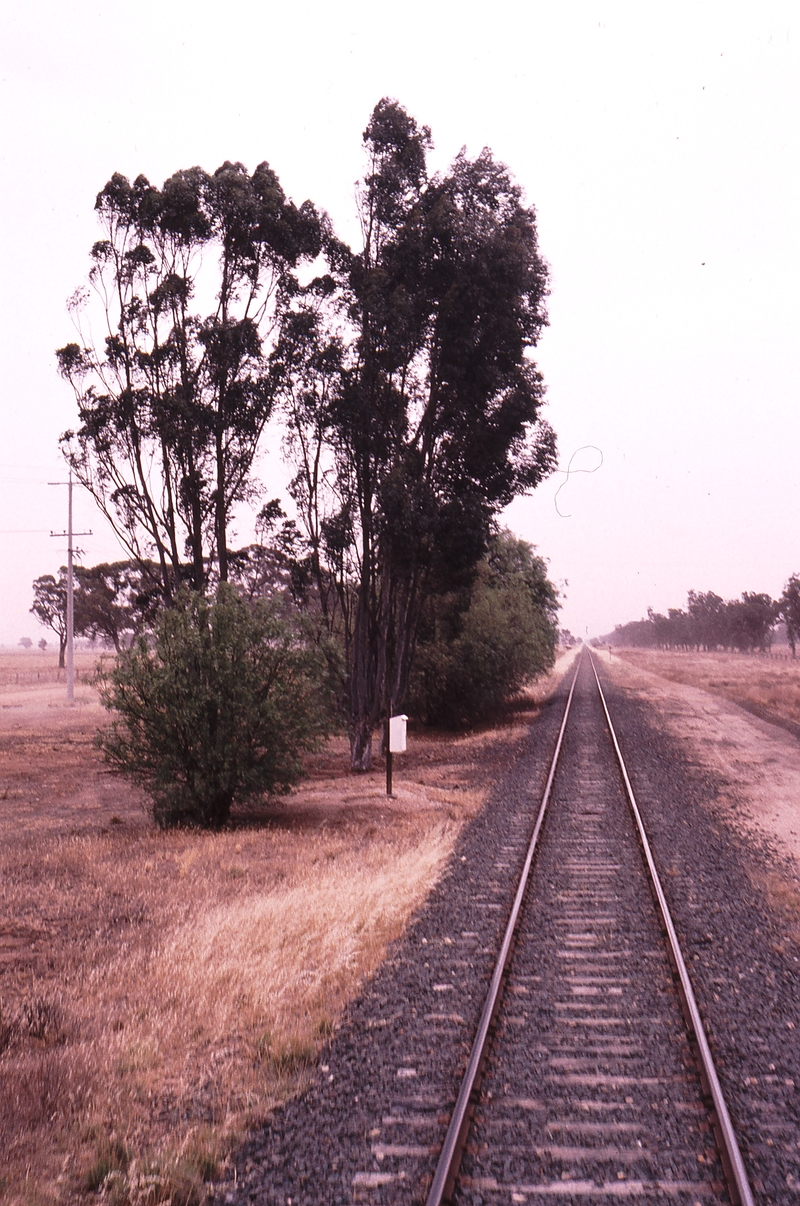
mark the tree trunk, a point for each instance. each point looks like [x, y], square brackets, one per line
[366, 668]
[361, 746]
[196, 542]
[220, 517]
[62, 645]
[219, 522]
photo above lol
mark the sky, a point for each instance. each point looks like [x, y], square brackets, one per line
[659, 145]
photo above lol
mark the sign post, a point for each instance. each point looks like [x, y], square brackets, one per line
[395, 744]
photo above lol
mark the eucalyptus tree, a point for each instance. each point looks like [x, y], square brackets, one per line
[116, 602]
[710, 617]
[190, 285]
[412, 402]
[751, 620]
[789, 609]
[50, 607]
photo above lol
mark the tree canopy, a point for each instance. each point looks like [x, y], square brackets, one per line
[193, 281]
[116, 601]
[113, 602]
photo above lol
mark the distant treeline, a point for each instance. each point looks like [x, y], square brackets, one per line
[709, 622]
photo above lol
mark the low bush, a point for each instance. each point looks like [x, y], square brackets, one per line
[217, 709]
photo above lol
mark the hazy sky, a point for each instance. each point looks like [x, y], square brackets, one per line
[659, 144]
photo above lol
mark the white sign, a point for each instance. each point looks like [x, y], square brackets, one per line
[397, 734]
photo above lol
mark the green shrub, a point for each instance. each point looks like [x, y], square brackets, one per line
[481, 646]
[217, 709]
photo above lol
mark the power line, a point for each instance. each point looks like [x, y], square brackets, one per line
[49, 468]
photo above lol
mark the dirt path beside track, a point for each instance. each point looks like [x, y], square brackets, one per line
[759, 761]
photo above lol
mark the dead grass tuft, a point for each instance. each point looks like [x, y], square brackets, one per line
[42, 1018]
[112, 1157]
[178, 1177]
[8, 1027]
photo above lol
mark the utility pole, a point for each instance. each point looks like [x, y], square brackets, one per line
[70, 589]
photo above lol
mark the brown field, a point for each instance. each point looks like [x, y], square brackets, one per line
[160, 991]
[768, 685]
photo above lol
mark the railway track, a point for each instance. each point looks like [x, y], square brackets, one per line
[590, 1089]
[590, 1077]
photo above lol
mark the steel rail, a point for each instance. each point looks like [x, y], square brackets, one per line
[450, 1156]
[739, 1184]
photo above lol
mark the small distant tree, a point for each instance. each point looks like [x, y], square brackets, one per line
[789, 605]
[116, 601]
[43, 644]
[217, 709]
[26, 642]
[50, 607]
[751, 620]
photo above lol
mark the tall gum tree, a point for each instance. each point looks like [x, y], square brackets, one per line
[411, 399]
[192, 283]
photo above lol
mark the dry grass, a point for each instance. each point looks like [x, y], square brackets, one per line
[160, 991]
[773, 685]
[760, 769]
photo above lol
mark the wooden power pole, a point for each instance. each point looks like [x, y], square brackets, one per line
[70, 588]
